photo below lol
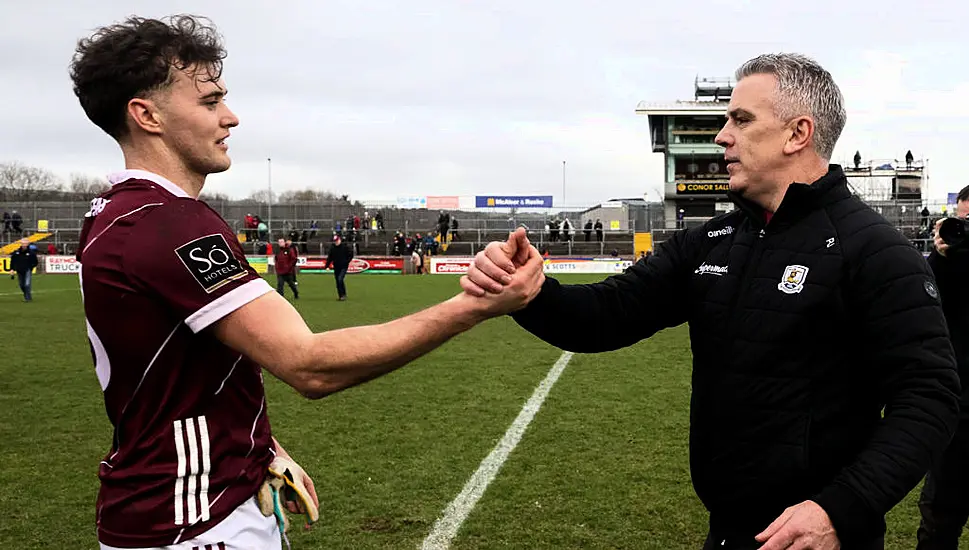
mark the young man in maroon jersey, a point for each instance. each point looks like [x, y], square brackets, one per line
[180, 326]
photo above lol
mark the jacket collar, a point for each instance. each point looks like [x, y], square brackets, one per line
[799, 199]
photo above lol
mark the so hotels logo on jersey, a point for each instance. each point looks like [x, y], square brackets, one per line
[209, 259]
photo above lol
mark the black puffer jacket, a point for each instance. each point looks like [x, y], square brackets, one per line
[802, 331]
[952, 275]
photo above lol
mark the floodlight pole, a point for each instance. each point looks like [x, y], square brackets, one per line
[269, 161]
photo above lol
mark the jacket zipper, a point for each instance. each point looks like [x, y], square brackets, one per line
[750, 264]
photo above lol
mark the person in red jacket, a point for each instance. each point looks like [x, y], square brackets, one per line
[286, 268]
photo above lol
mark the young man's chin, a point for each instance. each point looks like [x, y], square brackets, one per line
[216, 168]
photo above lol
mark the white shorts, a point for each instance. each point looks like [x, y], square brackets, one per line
[244, 529]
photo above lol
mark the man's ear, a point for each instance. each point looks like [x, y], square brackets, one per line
[143, 113]
[801, 134]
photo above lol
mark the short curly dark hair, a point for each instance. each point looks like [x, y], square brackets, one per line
[134, 58]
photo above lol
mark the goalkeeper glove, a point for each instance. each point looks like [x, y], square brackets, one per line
[284, 484]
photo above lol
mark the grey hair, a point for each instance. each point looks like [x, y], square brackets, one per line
[803, 88]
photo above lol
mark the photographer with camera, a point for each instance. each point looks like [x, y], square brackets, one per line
[944, 502]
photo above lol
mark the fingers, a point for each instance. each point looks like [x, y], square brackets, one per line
[487, 279]
[781, 540]
[311, 489]
[775, 526]
[468, 286]
[489, 273]
[501, 254]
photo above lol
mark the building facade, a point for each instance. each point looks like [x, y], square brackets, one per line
[696, 178]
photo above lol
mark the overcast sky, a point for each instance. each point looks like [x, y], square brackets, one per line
[385, 98]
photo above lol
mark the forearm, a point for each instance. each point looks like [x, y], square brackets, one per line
[335, 360]
[604, 316]
[271, 333]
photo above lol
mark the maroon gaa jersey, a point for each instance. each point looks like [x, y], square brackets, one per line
[191, 435]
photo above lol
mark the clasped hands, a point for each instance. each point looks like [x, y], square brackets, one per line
[507, 275]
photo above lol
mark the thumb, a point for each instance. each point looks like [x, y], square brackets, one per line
[524, 247]
[510, 246]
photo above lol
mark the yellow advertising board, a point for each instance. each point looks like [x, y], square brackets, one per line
[5, 264]
[643, 242]
[259, 263]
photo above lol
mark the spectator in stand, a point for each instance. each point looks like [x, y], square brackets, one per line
[286, 268]
[454, 229]
[598, 228]
[339, 257]
[7, 225]
[251, 226]
[443, 225]
[304, 239]
[17, 222]
[51, 249]
[588, 229]
[380, 222]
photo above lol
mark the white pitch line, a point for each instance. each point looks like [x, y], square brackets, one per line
[454, 515]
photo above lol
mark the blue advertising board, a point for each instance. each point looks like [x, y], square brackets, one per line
[505, 201]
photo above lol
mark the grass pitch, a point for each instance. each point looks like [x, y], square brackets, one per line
[602, 465]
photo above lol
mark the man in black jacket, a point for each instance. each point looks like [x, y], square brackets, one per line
[809, 313]
[339, 257]
[944, 502]
[23, 261]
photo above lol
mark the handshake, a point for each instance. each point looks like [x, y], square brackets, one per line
[505, 276]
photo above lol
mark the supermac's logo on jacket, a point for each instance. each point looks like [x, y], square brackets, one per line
[707, 269]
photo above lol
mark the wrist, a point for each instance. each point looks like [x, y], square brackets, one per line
[280, 451]
[469, 311]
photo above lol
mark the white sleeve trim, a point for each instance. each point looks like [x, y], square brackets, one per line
[226, 304]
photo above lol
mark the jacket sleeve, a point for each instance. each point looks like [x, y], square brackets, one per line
[623, 309]
[895, 305]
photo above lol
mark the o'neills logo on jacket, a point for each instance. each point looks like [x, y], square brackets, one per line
[720, 232]
[706, 269]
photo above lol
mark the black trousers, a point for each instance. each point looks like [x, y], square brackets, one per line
[944, 502]
[289, 279]
[341, 288]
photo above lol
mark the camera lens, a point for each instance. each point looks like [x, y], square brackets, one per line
[953, 231]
